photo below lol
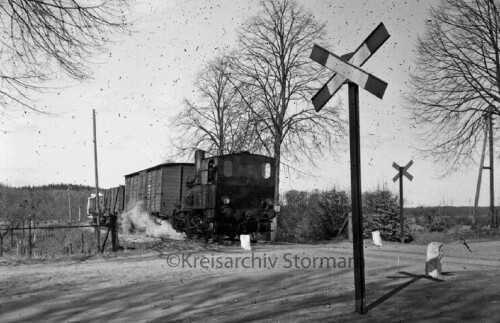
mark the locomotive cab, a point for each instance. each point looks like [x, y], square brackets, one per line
[230, 195]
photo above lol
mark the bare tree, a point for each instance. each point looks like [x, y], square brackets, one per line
[456, 84]
[217, 122]
[38, 38]
[457, 78]
[275, 67]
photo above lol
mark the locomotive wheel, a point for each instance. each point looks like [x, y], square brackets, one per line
[177, 220]
[194, 225]
[208, 230]
[210, 235]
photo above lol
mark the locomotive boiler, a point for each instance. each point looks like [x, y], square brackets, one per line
[216, 196]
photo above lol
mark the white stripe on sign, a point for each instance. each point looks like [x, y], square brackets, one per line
[353, 73]
[360, 56]
[348, 71]
[335, 83]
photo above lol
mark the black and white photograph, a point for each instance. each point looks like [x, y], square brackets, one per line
[249, 161]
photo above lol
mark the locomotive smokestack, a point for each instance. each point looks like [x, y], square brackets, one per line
[198, 157]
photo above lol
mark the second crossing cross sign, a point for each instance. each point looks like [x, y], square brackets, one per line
[402, 171]
[347, 68]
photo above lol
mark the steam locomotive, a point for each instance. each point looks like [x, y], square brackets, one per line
[216, 196]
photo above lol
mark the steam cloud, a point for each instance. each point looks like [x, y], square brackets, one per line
[136, 220]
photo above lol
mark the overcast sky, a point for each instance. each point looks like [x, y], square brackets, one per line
[141, 80]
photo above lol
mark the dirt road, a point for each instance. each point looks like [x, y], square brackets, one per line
[272, 283]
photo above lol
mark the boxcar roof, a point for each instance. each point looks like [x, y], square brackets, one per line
[165, 165]
[239, 153]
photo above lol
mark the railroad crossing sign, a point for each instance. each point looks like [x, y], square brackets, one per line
[402, 171]
[347, 68]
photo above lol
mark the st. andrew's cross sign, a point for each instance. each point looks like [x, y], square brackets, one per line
[347, 68]
[402, 171]
[355, 60]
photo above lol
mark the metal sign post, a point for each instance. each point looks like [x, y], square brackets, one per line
[347, 68]
[402, 171]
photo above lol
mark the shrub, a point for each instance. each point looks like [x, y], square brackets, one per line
[381, 212]
[317, 216]
[433, 221]
[291, 215]
[309, 217]
[333, 207]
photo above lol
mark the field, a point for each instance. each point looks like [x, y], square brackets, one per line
[194, 282]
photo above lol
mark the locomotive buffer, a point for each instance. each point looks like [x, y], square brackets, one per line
[347, 68]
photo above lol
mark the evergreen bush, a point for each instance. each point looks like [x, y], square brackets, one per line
[381, 212]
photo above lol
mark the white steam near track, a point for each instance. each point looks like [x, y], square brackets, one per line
[136, 220]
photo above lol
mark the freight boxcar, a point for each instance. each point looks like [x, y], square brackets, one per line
[160, 189]
[112, 202]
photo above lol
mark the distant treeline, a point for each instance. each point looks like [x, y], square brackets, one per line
[53, 202]
[61, 186]
[449, 211]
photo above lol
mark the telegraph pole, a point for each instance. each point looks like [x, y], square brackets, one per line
[479, 178]
[96, 186]
[401, 208]
[492, 162]
[488, 137]
[69, 205]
